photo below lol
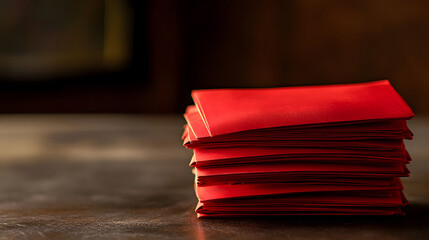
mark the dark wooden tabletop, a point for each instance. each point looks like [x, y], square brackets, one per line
[127, 177]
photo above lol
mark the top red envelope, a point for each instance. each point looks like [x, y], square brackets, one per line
[226, 111]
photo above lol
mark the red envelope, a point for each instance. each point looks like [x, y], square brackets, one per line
[319, 150]
[398, 169]
[300, 174]
[390, 198]
[346, 130]
[328, 203]
[233, 110]
[315, 179]
[212, 157]
[190, 141]
[254, 190]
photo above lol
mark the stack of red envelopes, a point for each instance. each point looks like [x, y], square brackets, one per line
[317, 150]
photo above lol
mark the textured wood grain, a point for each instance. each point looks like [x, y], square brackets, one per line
[126, 177]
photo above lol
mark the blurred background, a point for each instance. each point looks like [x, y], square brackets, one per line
[129, 56]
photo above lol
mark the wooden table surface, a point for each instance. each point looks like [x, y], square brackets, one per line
[127, 177]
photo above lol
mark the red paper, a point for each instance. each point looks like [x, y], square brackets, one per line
[234, 110]
[319, 150]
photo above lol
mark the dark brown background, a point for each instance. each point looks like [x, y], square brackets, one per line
[177, 46]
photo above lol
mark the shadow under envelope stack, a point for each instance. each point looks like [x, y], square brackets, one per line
[313, 150]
